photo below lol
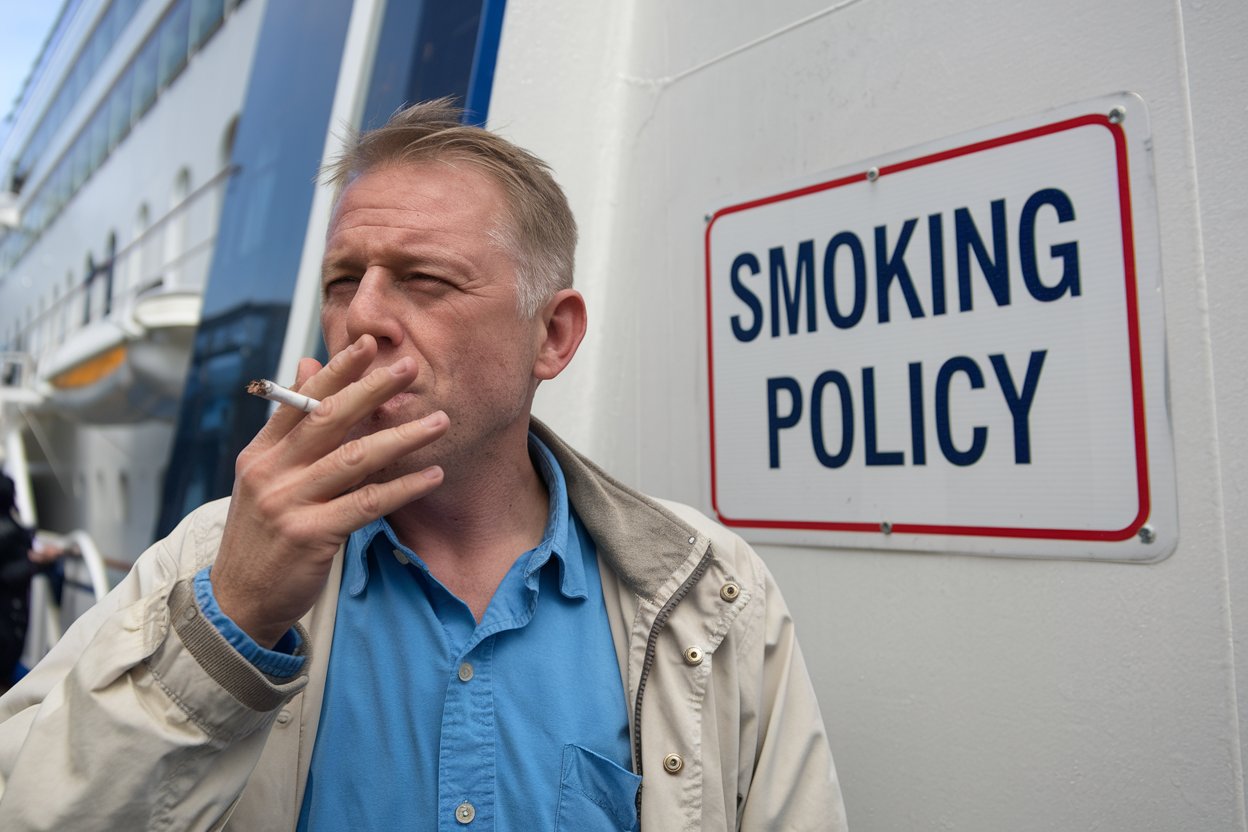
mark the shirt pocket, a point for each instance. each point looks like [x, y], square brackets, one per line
[595, 794]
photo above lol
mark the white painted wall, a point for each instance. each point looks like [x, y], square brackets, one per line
[961, 693]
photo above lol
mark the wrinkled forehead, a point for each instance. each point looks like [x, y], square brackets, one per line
[416, 164]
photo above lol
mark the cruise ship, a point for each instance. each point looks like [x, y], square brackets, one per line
[937, 304]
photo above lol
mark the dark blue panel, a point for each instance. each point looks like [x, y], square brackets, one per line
[425, 50]
[481, 84]
[281, 135]
[432, 49]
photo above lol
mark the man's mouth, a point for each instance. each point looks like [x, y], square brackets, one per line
[394, 406]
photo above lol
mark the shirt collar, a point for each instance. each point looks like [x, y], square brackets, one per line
[560, 541]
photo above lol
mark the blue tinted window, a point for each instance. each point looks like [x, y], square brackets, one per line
[425, 50]
[175, 32]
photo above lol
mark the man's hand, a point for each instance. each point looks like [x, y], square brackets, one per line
[295, 501]
[45, 552]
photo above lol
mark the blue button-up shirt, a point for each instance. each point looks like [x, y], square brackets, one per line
[432, 720]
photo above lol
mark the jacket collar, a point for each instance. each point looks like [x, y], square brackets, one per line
[641, 541]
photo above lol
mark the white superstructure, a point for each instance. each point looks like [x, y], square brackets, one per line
[115, 165]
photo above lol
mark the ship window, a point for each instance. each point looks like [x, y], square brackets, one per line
[94, 51]
[205, 18]
[97, 143]
[227, 141]
[119, 108]
[138, 277]
[78, 163]
[158, 61]
[110, 272]
[174, 38]
[123, 494]
[87, 280]
[175, 228]
[145, 79]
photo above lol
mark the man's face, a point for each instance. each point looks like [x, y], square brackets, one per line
[410, 260]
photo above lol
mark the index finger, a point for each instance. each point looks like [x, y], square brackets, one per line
[318, 381]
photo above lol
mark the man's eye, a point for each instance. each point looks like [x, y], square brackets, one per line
[340, 284]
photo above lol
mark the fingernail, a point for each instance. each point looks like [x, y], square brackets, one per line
[401, 367]
[432, 473]
[433, 420]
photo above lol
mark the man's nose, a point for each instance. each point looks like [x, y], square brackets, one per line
[375, 310]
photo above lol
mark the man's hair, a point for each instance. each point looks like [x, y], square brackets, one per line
[539, 232]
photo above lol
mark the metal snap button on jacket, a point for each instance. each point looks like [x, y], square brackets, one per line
[730, 592]
[673, 763]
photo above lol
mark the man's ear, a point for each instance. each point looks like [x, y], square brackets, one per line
[562, 326]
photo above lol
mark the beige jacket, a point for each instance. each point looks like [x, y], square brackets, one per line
[143, 717]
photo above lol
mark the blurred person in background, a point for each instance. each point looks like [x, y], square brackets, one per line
[21, 558]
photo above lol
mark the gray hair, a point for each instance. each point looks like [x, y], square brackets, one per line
[539, 232]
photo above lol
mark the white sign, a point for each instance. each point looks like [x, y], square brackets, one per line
[955, 348]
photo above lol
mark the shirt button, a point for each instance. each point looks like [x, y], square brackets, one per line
[283, 716]
[673, 763]
[465, 674]
[464, 812]
[400, 557]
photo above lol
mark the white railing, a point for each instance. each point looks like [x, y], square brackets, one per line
[171, 256]
[47, 616]
[82, 546]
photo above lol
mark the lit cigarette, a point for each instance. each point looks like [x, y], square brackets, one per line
[275, 392]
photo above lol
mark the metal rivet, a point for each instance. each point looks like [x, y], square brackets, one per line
[730, 592]
[873, 174]
[465, 812]
[283, 717]
[886, 527]
[692, 540]
[1117, 115]
[673, 763]
[693, 656]
[465, 672]
[1147, 534]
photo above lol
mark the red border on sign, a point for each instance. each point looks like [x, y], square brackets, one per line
[1133, 335]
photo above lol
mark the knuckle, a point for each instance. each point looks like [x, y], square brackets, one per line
[352, 453]
[247, 466]
[326, 411]
[368, 499]
[268, 505]
[289, 527]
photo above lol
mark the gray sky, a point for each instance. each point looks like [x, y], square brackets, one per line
[24, 25]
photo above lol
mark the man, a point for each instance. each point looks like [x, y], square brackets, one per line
[421, 609]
